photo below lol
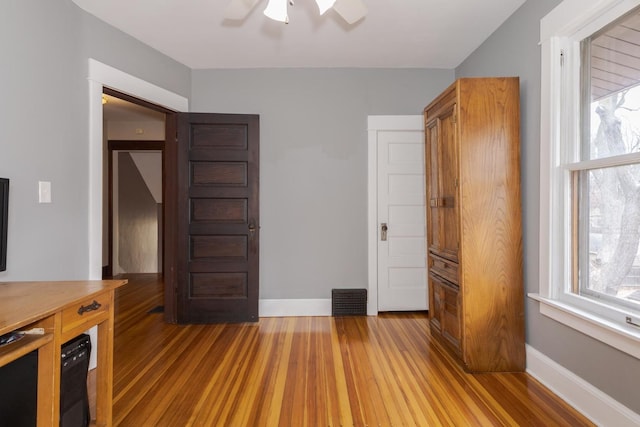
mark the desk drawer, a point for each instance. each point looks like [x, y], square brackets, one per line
[85, 312]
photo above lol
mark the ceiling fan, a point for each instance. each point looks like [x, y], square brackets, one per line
[351, 10]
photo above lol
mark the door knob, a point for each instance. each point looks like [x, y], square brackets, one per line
[383, 231]
[253, 238]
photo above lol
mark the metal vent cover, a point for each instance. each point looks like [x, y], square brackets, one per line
[348, 302]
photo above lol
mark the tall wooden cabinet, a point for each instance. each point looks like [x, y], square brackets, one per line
[474, 232]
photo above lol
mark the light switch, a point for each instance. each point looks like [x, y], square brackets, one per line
[44, 192]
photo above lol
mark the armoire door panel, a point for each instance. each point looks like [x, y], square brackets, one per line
[451, 316]
[431, 173]
[436, 304]
[448, 185]
[446, 313]
[442, 161]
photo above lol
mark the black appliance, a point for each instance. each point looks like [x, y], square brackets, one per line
[74, 400]
[19, 387]
[19, 391]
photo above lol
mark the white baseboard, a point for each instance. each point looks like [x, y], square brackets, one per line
[599, 407]
[294, 307]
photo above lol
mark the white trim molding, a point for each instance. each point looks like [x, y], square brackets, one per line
[131, 85]
[376, 124]
[294, 307]
[101, 75]
[599, 407]
[624, 338]
[561, 32]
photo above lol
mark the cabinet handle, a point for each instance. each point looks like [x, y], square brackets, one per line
[87, 308]
[383, 231]
[441, 202]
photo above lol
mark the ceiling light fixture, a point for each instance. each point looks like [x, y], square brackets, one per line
[351, 10]
[277, 10]
[325, 5]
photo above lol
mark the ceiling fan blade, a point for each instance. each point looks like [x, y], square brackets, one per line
[351, 10]
[239, 9]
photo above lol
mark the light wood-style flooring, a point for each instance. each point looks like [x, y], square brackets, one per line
[306, 371]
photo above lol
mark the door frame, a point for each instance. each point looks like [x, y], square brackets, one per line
[101, 78]
[377, 124]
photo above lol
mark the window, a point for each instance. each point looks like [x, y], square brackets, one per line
[606, 180]
[590, 169]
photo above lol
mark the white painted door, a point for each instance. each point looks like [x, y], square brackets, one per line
[401, 269]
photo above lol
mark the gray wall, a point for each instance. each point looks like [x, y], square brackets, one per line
[513, 50]
[137, 220]
[110, 46]
[313, 177]
[45, 45]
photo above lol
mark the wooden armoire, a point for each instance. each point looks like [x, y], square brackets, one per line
[474, 229]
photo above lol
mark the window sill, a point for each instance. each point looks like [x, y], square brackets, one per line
[620, 337]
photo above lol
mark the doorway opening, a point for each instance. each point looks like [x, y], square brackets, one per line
[135, 198]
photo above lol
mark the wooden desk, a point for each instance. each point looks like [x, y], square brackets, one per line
[64, 310]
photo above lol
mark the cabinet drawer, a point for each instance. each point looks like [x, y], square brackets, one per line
[450, 255]
[444, 268]
[85, 312]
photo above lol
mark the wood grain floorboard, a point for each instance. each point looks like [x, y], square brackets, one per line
[307, 371]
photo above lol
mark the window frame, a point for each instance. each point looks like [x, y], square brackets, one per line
[561, 32]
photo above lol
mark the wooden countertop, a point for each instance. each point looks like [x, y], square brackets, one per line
[22, 303]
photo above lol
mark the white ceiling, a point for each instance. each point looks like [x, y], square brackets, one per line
[394, 34]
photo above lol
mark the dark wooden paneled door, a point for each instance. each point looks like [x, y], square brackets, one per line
[218, 218]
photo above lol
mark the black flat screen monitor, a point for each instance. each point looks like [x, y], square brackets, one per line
[4, 213]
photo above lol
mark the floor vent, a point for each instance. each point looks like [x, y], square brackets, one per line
[348, 302]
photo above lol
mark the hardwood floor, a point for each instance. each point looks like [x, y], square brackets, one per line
[306, 371]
